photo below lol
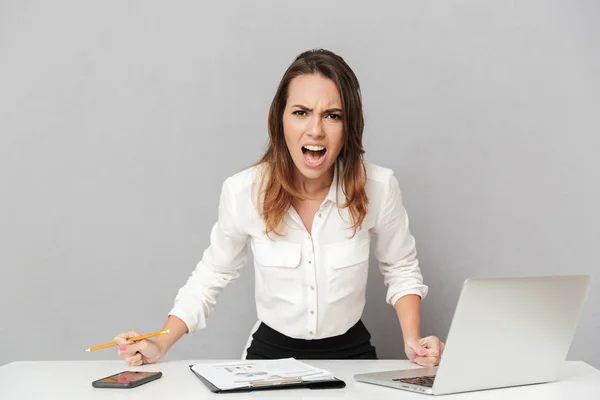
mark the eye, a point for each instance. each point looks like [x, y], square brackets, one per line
[299, 113]
[334, 116]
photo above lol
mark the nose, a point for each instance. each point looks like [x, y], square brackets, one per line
[315, 128]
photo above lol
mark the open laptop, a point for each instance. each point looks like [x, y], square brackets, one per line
[505, 332]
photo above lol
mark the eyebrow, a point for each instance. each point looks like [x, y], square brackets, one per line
[329, 110]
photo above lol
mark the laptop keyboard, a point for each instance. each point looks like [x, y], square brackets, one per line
[426, 381]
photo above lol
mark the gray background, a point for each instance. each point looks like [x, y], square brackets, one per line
[119, 120]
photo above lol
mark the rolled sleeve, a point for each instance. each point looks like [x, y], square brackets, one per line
[395, 247]
[220, 265]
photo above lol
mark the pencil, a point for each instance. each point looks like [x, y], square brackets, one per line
[133, 339]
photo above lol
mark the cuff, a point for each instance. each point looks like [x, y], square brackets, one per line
[422, 292]
[193, 323]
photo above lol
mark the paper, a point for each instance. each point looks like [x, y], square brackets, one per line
[244, 373]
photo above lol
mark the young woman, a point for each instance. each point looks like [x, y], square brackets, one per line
[309, 210]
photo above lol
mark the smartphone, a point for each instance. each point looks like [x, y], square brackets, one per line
[126, 379]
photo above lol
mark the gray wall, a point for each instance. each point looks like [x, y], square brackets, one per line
[120, 119]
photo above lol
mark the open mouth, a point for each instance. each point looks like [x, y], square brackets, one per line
[314, 155]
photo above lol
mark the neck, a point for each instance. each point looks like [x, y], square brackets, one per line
[313, 188]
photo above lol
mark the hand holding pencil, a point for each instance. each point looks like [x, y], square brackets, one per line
[131, 339]
[136, 349]
[138, 352]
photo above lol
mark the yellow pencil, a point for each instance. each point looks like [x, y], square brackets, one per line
[133, 339]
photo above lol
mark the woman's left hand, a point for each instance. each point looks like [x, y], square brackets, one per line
[426, 351]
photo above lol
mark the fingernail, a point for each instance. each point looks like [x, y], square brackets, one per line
[423, 352]
[122, 348]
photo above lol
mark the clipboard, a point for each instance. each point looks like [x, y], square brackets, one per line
[290, 383]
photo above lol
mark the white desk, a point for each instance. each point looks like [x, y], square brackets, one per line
[72, 380]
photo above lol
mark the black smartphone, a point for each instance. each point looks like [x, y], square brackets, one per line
[126, 379]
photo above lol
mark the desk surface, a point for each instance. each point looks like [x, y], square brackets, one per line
[72, 380]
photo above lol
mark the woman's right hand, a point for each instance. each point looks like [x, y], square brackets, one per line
[138, 353]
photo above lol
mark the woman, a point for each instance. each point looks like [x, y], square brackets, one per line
[308, 209]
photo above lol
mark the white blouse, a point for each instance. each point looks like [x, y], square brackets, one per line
[307, 286]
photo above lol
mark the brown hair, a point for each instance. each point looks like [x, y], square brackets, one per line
[277, 179]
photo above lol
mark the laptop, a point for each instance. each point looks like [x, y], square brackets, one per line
[505, 332]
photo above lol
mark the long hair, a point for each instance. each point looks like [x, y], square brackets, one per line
[277, 178]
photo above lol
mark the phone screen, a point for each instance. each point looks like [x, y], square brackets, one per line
[127, 377]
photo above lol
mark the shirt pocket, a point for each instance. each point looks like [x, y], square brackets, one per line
[347, 266]
[277, 273]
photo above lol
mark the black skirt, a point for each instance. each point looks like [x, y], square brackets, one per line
[267, 343]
